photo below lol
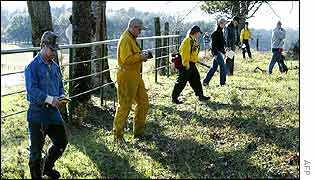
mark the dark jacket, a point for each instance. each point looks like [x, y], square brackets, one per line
[218, 42]
[231, 37]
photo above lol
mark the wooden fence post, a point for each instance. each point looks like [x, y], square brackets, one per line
[157, 44]
[166, 50]
[70, 105]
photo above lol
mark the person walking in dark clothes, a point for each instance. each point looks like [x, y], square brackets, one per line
[218, 52]
[232, 36]
[189, 50]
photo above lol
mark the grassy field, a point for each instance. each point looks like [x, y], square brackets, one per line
[249, 129]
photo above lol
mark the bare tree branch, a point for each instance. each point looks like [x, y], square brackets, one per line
[252, 15]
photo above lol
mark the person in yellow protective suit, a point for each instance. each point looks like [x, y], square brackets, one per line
[189, 50]
[130, 84]
[244, 38]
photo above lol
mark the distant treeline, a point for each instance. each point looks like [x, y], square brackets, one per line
[16, 26]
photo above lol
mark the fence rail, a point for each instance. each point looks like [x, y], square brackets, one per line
[74, 46]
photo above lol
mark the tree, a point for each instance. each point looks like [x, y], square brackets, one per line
[243, 9]
[81, 34]
[41, 21]
[19, 28]
[99, 9]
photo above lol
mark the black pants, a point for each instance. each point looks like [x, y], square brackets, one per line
[37, 134]
[229, 66]
[246, 49]
[192, 76]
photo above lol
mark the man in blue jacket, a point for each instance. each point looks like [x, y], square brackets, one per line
[44, 87]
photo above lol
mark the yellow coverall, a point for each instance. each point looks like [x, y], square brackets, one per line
[189, 50]
[130, 87]
[245, 34]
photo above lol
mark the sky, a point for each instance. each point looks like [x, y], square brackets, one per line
[265, 18]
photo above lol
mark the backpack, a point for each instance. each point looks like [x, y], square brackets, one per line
[177, 60]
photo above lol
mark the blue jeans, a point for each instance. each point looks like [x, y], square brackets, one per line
[218, 61]
[276, 55]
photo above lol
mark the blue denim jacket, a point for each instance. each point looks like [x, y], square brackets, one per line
[42, 80]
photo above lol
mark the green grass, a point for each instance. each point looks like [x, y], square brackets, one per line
[249, 129]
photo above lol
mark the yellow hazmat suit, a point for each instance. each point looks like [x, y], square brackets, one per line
[245, 34]
[130, 86]
[189, 50]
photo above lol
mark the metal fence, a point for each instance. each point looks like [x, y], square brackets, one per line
[173, 42]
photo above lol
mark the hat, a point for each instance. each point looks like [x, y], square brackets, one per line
[49, 39]
[195, 28]
[136, 22]
[222, 21]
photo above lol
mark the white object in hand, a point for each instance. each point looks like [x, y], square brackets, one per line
[230, 54]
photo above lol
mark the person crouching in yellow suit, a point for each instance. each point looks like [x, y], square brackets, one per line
[130, 84]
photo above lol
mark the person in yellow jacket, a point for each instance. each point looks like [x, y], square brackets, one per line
[189, 50]
[131, 87]
[244, 38]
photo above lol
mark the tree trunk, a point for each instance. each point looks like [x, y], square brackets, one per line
[99, 9]
[41, 20]
[243, 14]
[236, 12]
[81, 13]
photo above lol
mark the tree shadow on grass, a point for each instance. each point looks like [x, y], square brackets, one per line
[187, 158]
[252, 123]
[87, 140]
[108, 162]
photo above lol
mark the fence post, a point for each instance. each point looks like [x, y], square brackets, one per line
[70, 84]
[257, 42]
[177, 41]
[102, 75]
[141, 47]
[157, 43]
[166, 50]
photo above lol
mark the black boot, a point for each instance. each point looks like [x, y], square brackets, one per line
[49, 163]
[35, 169]
[48, 169]
[203, 98]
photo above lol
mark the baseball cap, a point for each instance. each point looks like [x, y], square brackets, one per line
[136, 22]
[222, 21]
[49, 38]
[195, 28]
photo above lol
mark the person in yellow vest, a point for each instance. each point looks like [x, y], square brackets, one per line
[189, 50]
[244, 38]
[131, 87]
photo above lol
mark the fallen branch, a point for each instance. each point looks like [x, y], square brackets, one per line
[258, 68]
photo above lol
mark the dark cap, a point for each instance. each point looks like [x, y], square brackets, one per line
[49, 38]
[195, 28]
